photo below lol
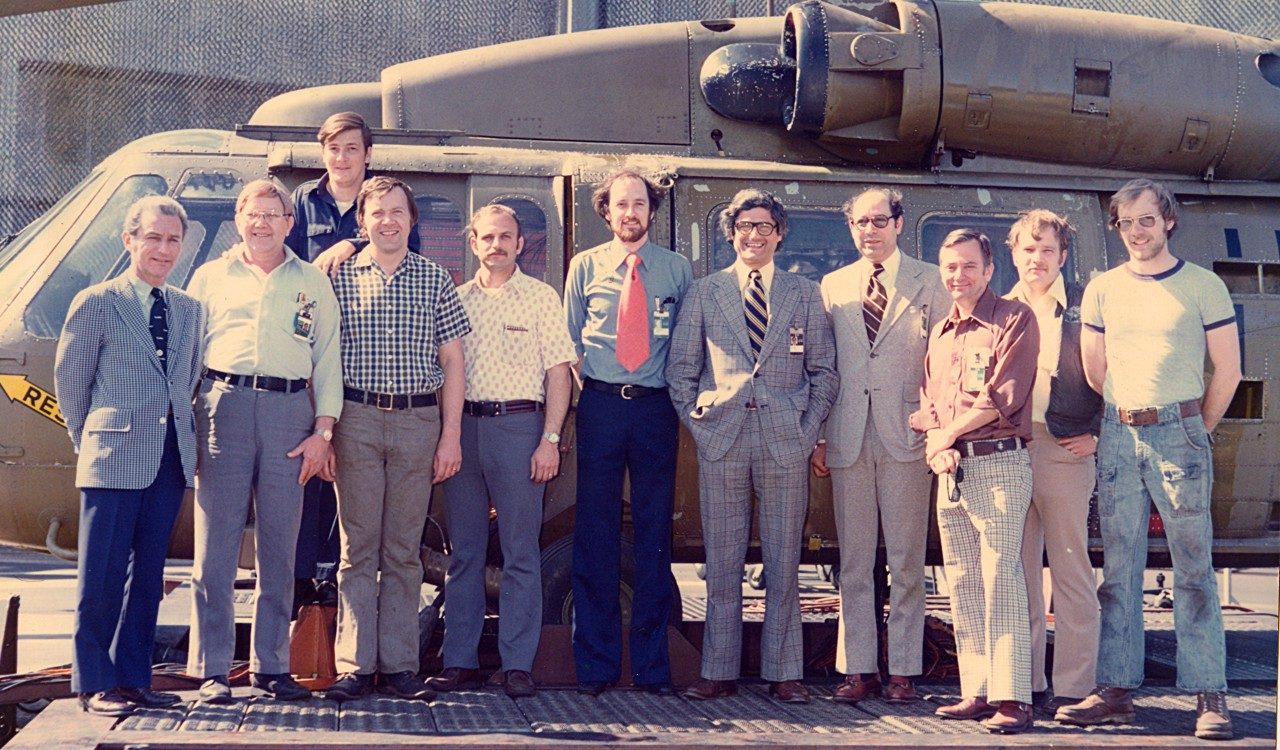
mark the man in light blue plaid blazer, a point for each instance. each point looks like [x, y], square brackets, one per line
[126, 368]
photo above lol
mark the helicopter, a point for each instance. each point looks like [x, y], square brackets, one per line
[975, 111]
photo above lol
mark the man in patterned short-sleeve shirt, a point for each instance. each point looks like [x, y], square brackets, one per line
[517, 361]
[402, 329]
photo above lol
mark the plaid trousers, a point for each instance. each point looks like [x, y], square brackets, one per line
[980, 518]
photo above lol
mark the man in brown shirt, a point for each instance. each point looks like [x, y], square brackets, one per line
[975, 409]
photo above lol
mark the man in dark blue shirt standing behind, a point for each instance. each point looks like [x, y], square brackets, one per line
[325, 215]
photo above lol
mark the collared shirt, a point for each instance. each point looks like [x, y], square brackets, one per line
[517, 334]
[256, 323]
[889, 276]
[1048, 311]
[393, 326]
[143, 290]
[592, 292]
[984, 360]
[318, 222]
[743, 273]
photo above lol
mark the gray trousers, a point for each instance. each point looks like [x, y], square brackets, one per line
[496, 453]
[384, 490]
[894, 494]
[725, 487]
[243, 437]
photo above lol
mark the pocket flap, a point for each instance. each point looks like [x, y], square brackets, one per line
[109, 419]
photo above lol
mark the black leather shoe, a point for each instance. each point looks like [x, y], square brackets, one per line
[455, 678]
[216, 689]
[148, 698]
[282, 687]
[107, 703]
[592, 688]
[349, 687]
[658, 688]
[405, 685]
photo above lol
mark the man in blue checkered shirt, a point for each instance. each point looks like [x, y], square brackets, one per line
[403, 381]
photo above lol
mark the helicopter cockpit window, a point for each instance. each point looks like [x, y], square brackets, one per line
[20, 257]
[440, 229]
[533, 225]
[935, 227]
[817, 243]
[94, 255]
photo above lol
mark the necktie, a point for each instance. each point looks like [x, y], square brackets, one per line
[873, 303]
[160, 326]
[757, 312]
[632, 347]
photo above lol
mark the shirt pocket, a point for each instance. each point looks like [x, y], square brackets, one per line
[520, 344]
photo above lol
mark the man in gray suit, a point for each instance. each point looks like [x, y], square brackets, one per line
[126, 367]
[882, 308]
[752, 375]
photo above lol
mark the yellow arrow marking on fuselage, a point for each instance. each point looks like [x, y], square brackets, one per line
[32, 396]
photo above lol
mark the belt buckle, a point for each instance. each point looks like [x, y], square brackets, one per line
[391, 401]
[625, 393]
[490, 408]
[253, 383]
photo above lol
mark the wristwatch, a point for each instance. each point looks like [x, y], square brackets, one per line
[551, 437]
[325, 433]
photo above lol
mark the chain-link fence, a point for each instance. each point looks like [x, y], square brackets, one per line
[77, 84]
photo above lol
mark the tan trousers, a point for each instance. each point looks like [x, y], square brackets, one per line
[384, 488]
[1058, 521]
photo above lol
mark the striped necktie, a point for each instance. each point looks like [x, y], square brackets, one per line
[757, 312]
[874, 302]
[159, 323]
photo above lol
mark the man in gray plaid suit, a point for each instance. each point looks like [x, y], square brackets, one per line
[752, 375]
[127, 364]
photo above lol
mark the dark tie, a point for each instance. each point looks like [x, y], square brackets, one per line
[873, 303]
[757, 312]
[160, 326]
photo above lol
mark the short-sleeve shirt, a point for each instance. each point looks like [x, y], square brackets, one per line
[591, 297]
[517, 334]
[1154, 330]
[393, 326]
[254, 325]
[984, 360]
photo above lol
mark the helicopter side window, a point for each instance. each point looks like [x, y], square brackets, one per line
[440, 229]
[816, 244]
[94, 255]
[533, 226]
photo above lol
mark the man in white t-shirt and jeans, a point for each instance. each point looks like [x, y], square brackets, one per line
[1147, 326]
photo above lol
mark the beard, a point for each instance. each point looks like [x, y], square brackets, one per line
[631, 232]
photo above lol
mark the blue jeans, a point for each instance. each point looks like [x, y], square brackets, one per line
[1170, 463]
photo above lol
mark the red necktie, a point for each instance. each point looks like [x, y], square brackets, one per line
[632, 346]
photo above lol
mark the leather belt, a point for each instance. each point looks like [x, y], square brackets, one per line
[499, 408]
[980, 448]
[627, 391]
[1151, 414]
[387, 401]
[257, 382]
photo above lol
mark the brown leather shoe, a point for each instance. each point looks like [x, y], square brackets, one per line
[899, 690]
[1011, 717]
[705, 690]
[968, 708]
[855, 688]
[789, 691]
[1111, 705]
[519, 684]
[1213, 720]
[455, 678]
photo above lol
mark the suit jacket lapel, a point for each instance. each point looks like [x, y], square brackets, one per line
[907, 286]
[729, 297]
[126, 302]
[782, 305]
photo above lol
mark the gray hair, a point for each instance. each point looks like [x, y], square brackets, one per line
[160, 204]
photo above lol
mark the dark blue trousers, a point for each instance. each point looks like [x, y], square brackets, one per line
[616, 436]
[318, 534]
[124, 536]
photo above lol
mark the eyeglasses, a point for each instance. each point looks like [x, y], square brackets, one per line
[1147, 222]
[763, 228]
[263, 215]
[879, 222]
